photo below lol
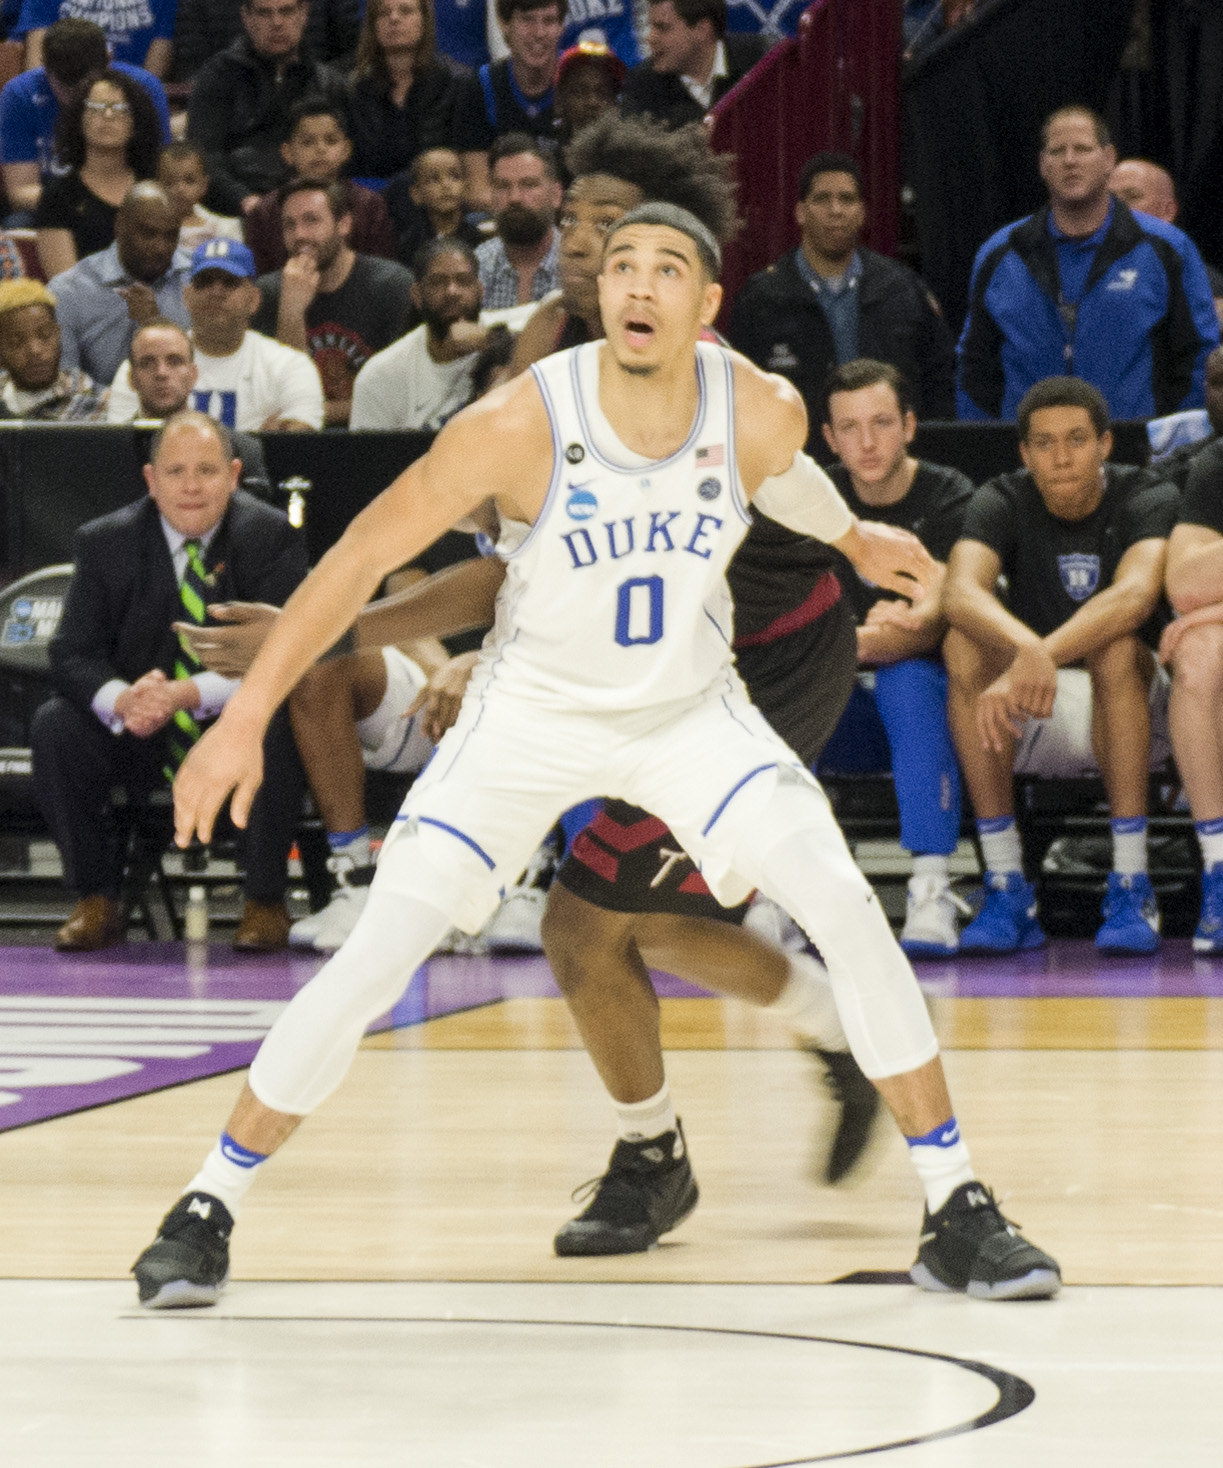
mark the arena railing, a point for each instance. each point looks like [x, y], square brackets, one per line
[834, 86]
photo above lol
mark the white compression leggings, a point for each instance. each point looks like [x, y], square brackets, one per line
[811, 874]
[307, 1052]
[808, 872]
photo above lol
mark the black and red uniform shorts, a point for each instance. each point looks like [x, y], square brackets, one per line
[627, 860]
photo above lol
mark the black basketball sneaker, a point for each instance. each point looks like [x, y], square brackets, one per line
[188, 1262]
[859, 1109]
[968, 1245]
[647, 1190]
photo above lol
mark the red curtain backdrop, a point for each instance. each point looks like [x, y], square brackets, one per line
[836, 85]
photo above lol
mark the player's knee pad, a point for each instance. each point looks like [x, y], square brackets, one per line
[310, 1047]
[437, 863]
[801, 861]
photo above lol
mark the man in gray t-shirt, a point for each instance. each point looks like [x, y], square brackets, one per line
[328, 301]
[425, 377]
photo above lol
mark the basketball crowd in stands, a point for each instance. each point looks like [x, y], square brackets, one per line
[358, 213]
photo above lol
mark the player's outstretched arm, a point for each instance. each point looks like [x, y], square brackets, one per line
[787, 485]
[457, 599]
[499, 446]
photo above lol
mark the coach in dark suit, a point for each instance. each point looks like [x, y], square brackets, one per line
[693, 62]
[131, 700]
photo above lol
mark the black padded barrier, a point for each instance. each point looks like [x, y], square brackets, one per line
[55, 477]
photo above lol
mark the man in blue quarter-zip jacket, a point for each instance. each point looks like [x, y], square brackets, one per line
[1088, 288]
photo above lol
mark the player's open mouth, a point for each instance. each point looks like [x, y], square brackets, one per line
[638, 333]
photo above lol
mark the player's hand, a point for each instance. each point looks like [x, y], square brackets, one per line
[891, 558]
[1026, 690]
[1033, 681]
[466, 337]
[1170, 641]
[889, 613]
[231, 649]
[999, 719]
[441, 698]
[227, 760]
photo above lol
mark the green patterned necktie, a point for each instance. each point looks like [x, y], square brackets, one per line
[193, 592]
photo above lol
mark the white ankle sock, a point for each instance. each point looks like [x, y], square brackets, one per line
[1000, 845]
[353, 844]
[641, 1121]
[1130, 845]
[932, 866]
[227, 1173]
[806, 1001]
[942, 1162]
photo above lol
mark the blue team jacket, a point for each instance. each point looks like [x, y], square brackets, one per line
[1141, 332]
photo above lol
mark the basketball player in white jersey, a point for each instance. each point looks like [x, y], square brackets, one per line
[622, 472]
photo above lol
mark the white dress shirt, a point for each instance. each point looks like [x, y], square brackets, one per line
[214, 690]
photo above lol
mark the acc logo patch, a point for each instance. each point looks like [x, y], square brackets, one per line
[709, 489]
[575, 453]
[1080, 574]
[581, 504]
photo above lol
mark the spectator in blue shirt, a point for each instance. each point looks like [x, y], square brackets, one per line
[140, 32]
[30, 104]
[1086, 288]
[103, 299]
[462, 31]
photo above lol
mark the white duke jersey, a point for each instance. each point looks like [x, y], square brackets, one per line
[616, 597]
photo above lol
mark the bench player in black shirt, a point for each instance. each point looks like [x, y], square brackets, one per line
[869, 423]
[1193, 644]
[1082, 544]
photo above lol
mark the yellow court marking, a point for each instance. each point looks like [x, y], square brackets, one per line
[727, 1024]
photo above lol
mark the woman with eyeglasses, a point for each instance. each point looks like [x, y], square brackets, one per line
[107, 138]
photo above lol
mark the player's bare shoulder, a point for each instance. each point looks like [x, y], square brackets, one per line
[501, 443]
[770, 420]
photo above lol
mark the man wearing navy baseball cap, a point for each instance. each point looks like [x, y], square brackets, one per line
[246, 380]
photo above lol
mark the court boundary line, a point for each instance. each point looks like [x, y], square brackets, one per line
[1015, 1394]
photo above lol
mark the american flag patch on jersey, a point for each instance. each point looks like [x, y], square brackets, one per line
[711, 458]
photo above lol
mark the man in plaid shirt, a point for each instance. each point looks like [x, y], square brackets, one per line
[519, 264]
[32, 385]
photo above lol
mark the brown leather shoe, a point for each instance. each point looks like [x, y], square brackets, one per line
[264, 928]
[95, 922]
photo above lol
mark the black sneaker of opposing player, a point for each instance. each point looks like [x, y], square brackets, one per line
[647, 1190]
[968, 1245]
[188, 1262]
[859, 1104]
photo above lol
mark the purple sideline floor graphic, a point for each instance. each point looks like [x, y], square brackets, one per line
[78, 1031]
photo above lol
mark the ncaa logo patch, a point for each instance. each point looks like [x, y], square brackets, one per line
[581, 504]
[1080, 574]
[709, 489]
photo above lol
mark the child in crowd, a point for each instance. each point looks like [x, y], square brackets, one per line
[318, 148]
[181, 172]
[426, 202]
